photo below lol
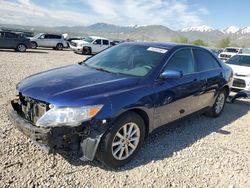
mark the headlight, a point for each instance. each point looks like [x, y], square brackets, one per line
[70, 116]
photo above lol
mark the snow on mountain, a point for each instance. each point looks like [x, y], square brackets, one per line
[136, 26]
[230, 30]
[245, 30]
[203, 28]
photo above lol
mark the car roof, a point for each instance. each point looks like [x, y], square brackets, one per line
[96, 37]
[167, 45]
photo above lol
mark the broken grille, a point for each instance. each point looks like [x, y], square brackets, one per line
[32, 109]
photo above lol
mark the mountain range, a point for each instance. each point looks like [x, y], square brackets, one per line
[238, 36]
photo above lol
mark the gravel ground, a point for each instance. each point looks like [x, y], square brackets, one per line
[198, 152]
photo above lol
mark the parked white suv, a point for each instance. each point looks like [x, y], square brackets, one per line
[240, 64]
[231, 51]
[90, 45]
[56, 42]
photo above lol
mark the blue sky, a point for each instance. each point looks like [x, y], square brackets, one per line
[175, 14]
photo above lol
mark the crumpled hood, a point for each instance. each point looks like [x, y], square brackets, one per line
[240, 70]
[68, 85]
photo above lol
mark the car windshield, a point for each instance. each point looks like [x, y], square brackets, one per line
[232, 50]
[88, 39]
[128, 58]
[239, 60]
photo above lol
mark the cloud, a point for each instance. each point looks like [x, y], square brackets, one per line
[172, 13]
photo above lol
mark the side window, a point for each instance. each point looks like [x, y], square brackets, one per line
[58, 37]
[204, 60]
[47, 36]
[105, 42]
[11, 35]
[1, 35]
[181, 61]
[42, 37]
[98, 41]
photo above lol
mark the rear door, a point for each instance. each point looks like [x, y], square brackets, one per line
[209, 70]
[105, 44]
[176, 98]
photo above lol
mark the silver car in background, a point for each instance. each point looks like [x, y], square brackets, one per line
[57, 42]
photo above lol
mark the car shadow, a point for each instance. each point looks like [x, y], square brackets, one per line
[28, 51]
[174, 137]
[51, 49]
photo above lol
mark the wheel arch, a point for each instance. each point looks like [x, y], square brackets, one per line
[89, 47]
[143, 114]
[227, 89]
[20, 44]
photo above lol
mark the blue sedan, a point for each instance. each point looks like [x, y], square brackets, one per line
[105, 106]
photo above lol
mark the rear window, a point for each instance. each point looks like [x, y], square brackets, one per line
[49, 36]
[105, 42]
[11, 35]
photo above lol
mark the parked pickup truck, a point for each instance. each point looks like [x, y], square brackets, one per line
[11, 40]
[90, 45]
[57, 42]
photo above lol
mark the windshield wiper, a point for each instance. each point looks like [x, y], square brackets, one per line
[101, 69]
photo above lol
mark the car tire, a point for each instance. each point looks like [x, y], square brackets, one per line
[33, 45]
[122, 141]
[21, 48]
[59, 46]
[86, 51]
[218, 105]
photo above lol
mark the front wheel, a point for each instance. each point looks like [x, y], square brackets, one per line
[120, 144]
[218, 105]
[86, 51]
[33, 45]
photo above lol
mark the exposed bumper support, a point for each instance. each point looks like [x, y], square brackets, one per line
[89, 147]
[240, 94]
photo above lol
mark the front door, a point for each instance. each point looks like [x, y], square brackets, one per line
[97, 46]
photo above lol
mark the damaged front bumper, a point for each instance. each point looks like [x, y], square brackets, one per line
[82, 139]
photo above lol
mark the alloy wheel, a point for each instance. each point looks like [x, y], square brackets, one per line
[125, 141]
[220, 103]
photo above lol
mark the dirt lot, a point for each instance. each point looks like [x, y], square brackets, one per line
[198, 152]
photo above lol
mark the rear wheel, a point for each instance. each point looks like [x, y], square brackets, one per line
[218, 105]
[120, 144]
[59, 46]
[21, 48]
[86, 51]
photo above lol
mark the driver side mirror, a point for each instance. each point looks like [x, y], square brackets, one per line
[171, 74]
[95, 42]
